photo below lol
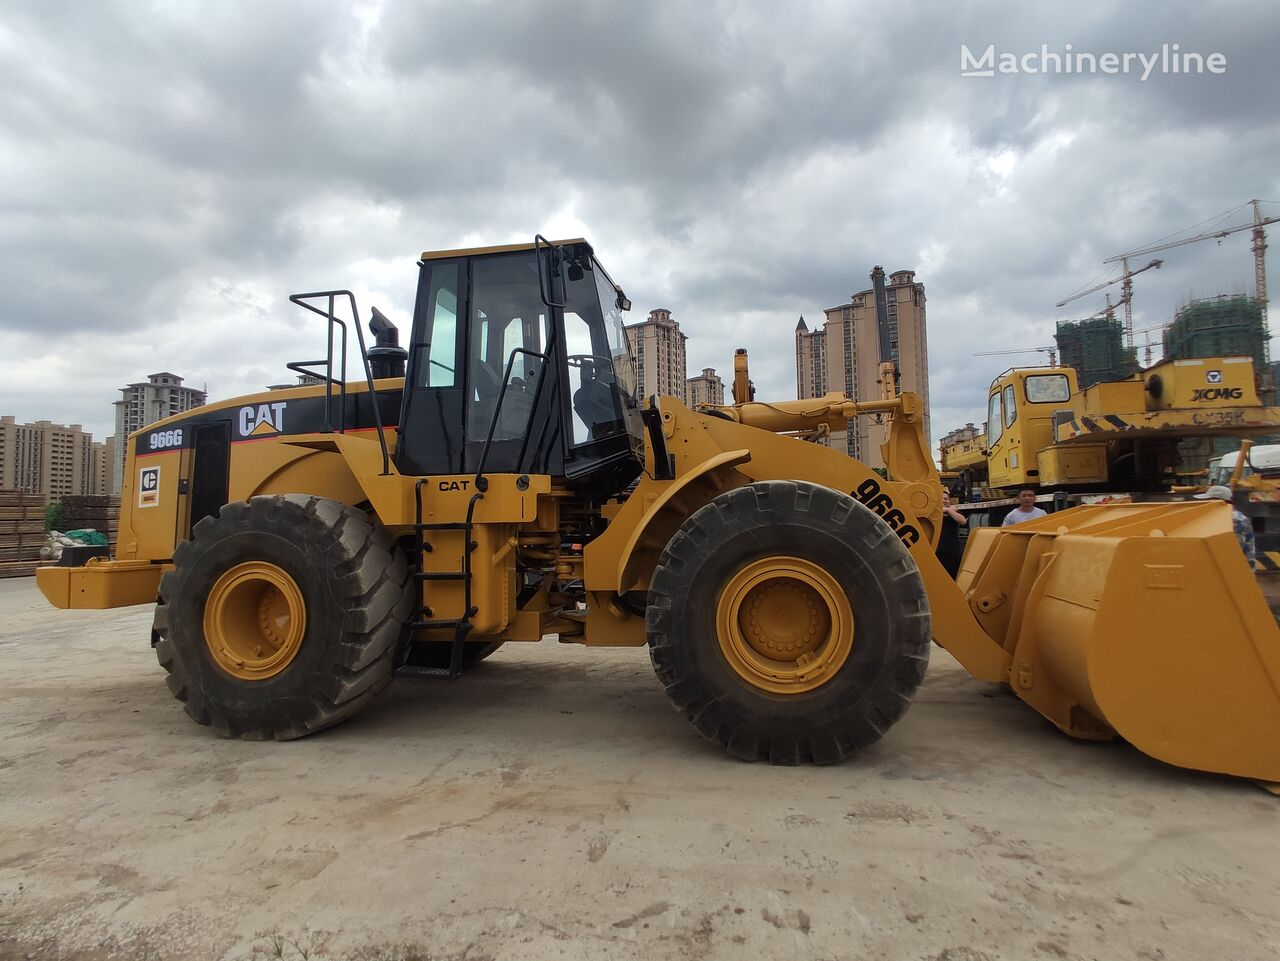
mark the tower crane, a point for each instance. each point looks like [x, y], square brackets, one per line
[1146, 341]
[1259, 247]
[1051, 351]
[1126, 292]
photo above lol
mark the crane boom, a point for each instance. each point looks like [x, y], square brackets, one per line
[1256, 225]
[1125, 277]
[1126, 295]
[1051, 351]
[1258, 247]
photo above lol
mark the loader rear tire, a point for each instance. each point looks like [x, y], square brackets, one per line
[281, 616]
[789, 623]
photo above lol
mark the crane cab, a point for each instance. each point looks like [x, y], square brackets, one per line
[1021, 404]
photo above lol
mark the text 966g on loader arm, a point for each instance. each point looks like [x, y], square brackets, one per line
[499, 480]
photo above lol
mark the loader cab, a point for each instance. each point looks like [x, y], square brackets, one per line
[518, 363]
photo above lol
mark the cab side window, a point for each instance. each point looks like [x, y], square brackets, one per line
[594, 406]
[441, 338]
[995, 422]
[433, 401]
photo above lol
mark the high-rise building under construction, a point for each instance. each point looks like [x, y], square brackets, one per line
[1220, 327]
[1095, 348]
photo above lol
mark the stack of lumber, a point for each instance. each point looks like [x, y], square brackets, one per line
[21, 532]
[101, 512]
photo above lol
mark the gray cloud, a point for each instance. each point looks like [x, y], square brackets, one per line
[170, 174]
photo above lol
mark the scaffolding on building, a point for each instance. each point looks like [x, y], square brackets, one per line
[1223, 326]
[1095, 348]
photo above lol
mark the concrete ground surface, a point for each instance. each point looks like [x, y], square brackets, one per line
[552, 805]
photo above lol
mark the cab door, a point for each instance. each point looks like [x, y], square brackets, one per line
[997, 447]
[211, 473]
[1014, 454]
[431, 418]
[511, 412]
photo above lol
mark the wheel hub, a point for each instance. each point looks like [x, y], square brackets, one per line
[785, 625]
[782, 619]
[254, 621]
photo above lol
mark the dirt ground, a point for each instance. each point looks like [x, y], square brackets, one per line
[552, 805]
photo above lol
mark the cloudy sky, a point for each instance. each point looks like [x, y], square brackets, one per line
[170, 172]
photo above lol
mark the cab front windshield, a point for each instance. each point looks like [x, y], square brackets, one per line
[602, 380]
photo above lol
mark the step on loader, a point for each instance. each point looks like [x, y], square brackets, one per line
[497, 480]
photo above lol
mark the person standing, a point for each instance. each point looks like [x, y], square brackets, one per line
[1239, 522]
[1026, 509]
[949, 551]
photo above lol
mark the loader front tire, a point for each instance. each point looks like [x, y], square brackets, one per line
[789, 623]
[281, 616]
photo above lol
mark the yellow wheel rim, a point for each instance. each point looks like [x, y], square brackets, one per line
[254, 621]
[785, 625]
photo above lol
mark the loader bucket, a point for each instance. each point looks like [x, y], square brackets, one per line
[1137, 620]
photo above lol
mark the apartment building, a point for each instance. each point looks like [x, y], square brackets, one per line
[706, 388]
[845, 357]
[161, 395]
[55, 460]
[658, 347]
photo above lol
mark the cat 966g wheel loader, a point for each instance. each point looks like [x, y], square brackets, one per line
[498, 480]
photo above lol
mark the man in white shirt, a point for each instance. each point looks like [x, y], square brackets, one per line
[1026, 509]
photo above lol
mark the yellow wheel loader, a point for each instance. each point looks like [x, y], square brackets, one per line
[498, 480]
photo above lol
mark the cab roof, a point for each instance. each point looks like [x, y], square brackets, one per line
[1261, 457]
[501, 249]
[1028, 371]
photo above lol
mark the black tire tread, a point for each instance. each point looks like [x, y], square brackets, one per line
[689, 548]
[372, 583]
